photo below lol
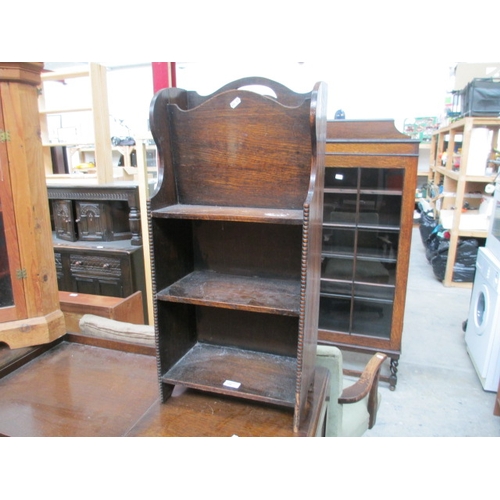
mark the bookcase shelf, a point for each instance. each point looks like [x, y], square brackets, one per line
[277, 296]
[243, 214]
[266, 377]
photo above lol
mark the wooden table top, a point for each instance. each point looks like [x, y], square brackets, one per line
[197, 414]
[83, 390]
[77, 390]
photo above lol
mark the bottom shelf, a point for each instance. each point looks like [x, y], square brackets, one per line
[237, 372]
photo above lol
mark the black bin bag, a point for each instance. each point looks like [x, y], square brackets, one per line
[465, 261]
[433, 241]
[427, 225]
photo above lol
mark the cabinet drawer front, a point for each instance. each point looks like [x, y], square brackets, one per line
[95, 265]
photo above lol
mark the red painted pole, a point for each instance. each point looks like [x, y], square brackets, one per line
[163, 75]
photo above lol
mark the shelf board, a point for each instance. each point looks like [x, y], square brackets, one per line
[449, 173]
[370, 191]
[363, 227]
[363, 256]
[66, 110]
[480, 178]
[64, 75]
[472, 233]
[358, 298]
[339, 190]
[455, 175]
[458, 284]
[237, 214]
[263, 377]
[208, 288]
[81, 147]
[475, 121]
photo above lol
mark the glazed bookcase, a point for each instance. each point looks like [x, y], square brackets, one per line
[369, 200]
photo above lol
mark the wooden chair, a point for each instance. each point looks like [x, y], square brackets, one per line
[352, 409]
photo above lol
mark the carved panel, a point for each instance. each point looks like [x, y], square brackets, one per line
[91, 218]
[64, 220]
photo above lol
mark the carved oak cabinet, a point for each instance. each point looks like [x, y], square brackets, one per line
[369, 199]
[236, 241]
[97, 239]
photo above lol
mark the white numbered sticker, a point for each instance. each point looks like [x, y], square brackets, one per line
[232, 384]
[235, 102]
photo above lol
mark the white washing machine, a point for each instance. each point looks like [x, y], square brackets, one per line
[482, 334]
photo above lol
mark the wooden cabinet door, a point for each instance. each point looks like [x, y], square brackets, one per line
[64, 219]
[92, 221]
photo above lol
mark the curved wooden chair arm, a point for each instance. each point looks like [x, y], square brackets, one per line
[366, 385]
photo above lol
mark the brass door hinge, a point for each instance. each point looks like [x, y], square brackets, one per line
[4, 135]
[21, 274]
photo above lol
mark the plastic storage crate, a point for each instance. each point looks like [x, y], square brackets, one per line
[481, 97]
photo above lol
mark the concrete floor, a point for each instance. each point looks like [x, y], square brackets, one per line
[438, 392]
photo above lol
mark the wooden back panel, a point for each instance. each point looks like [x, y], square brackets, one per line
[234, 148]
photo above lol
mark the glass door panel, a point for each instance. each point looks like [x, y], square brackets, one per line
[340, 207]
[12, 301]
[374, 293]
[6, 293]
[339, 240]
[381, 179]
[341, 178]
[335, 313]
[372, 310]
[362, 212]
[371, 318]
[380, 210]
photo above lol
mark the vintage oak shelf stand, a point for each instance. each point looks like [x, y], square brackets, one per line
[236, 240]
